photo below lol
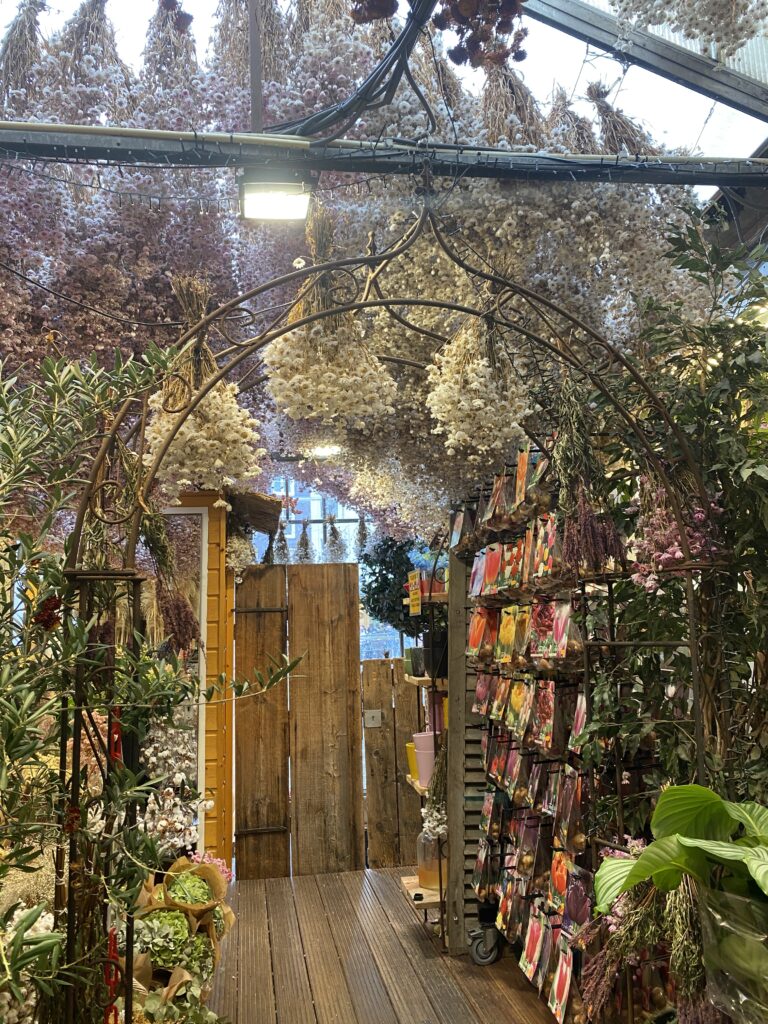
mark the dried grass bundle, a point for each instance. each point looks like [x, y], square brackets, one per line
[619, 133]
[196, 363]
[318, 293]
[89, 31]
[170, 56]
[21, 49]
[510, 110]
[231, 38]
[569, 129]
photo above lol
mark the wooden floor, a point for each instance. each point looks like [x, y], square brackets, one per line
[348, 949]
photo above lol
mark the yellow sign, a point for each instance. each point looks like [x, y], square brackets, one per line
[414, 592]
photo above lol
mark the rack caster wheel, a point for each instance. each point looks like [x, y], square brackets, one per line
[483, 954]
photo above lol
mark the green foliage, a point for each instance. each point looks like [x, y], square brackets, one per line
[385, 573]
[700, 835]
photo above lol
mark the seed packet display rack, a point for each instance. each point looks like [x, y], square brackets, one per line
[524, 840]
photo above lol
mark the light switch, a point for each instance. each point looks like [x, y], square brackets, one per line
[372, 719]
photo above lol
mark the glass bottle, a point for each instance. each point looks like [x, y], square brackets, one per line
[427, 858]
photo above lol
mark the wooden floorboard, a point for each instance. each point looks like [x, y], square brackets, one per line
[348, 949]
[224, 996]
[293, 993]
[401, 977]
[331, 995]
[439, 983]
[366, 987]
[255, 988]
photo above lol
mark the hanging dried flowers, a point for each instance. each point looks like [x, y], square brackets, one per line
[325, 371]
[590, 537]
[486, 31]
[361, 537]
[240, 554]
[282, 553]
[335, 547]
[727, 27]
[304, 550]
[476, 396]
[216, 445]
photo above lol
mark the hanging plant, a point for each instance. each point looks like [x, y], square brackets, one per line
[216, 445]
[361, 538]
[476, 395]
[486, 31]
[325, 371]
[282, 553]
[335, 548]
[304, 550]
[590, 537]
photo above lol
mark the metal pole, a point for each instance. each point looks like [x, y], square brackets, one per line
[255, 66]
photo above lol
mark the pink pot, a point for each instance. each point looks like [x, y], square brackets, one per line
[425, 741]
[425, 759]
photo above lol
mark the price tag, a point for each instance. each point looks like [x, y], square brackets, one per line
[414, 592]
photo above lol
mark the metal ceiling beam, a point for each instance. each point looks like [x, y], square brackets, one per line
[694, 70]
[101, 145]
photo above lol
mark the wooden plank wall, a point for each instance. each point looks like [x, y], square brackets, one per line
[393, 808]
[261, 734]
[380, 765]
[326, 719]
[407, 722]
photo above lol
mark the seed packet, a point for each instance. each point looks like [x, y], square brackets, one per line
[483, 632]
[544, 550]
[527, 555]
[485, 744]
[511, 569]
[505, 892]
[534, 938]
[578, 900]
[560, 627]
[529, 846]
[499, 706]
[549, 804]
[579, 722]
[520, 703]
[545, 955]
[568, 795]
[512, 770]
[498, 810]
[477, 575]
[487, 812]
[521, 475]
[480, 872]
[456, 526]
[558, 880]
[542, 715]
[534, 782]
[518, 910]
[542, 630]
[522, 629]
[493, 556]
[518, 794]
[505, 644]
[482, 693]
[501, 502]
[497, 763]
[558, 997]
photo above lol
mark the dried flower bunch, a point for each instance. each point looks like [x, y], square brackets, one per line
[486, 30]
[326, 371]
[476, 397]
[727, 27]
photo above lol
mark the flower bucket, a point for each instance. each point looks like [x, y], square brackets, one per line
[425, 759]
[425, 741]
[413, 768]
[735, 940]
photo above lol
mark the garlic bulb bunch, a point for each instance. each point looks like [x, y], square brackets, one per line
[215, 447]
[334, 380]
[711, 22]
[476, 397]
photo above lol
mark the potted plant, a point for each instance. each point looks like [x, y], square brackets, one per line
[705, 877]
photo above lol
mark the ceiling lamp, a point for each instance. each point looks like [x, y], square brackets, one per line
[324, 451]
[273, 194]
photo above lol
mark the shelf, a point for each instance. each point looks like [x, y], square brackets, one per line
[428, 897]
[441, 598]
[421, 790]
[440, 684]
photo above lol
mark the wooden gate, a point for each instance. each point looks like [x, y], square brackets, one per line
[308, 731]
[393, 807]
